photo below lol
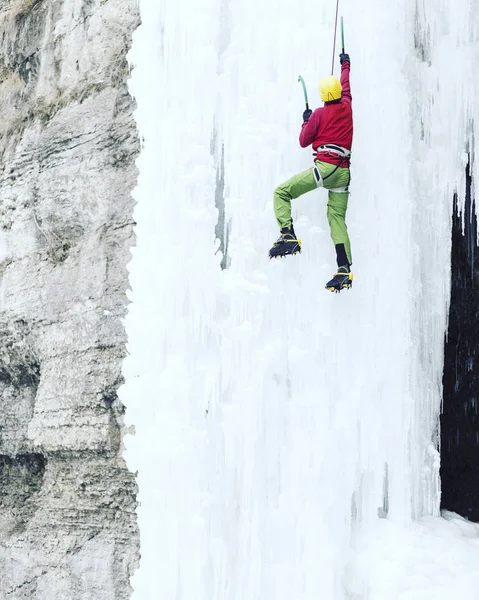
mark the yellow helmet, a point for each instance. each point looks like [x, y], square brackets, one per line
[330, 88]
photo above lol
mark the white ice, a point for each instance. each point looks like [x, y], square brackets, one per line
[286, 438]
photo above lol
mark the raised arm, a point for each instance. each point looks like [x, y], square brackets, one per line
[345, 68]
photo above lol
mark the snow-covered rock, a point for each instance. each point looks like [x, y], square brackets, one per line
[68, 144]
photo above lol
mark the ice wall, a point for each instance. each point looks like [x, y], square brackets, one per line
[447, 43]
[443, 116]
[284, 435]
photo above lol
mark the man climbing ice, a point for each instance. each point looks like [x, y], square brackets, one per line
[329, 130]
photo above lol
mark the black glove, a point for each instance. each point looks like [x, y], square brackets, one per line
[307, 113]
[343, 57]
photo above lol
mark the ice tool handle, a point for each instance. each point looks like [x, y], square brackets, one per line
[304, 91]
[342, 36]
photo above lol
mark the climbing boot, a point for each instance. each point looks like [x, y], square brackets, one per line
[287, 243]
[342, 280]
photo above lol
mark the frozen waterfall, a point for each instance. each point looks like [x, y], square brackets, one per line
[286, 438]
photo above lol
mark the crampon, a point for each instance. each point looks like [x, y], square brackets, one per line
[342, 280]
[286, 244]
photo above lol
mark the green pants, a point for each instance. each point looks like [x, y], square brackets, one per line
[337, 201]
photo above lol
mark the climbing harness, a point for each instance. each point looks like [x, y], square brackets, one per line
[343, 153]
[333, 149]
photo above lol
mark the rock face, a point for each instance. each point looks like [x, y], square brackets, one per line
[68, 144]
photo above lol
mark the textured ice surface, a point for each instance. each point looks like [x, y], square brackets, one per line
[286, 437]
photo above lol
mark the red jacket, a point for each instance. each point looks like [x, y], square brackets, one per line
[331, 124]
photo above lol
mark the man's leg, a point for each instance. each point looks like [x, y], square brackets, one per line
[336, 181]
[298, 185]
[337, 206]
[289, 190]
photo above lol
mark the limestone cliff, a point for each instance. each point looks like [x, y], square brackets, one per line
[67, 145]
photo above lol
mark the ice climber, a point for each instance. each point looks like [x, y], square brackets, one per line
[329, 130]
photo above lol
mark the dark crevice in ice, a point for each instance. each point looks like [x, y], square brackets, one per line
[460, 416]
[384, 510]
[422, 36]
[222, 227]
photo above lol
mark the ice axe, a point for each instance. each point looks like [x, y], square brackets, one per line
[342, 38]
[304, 91]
